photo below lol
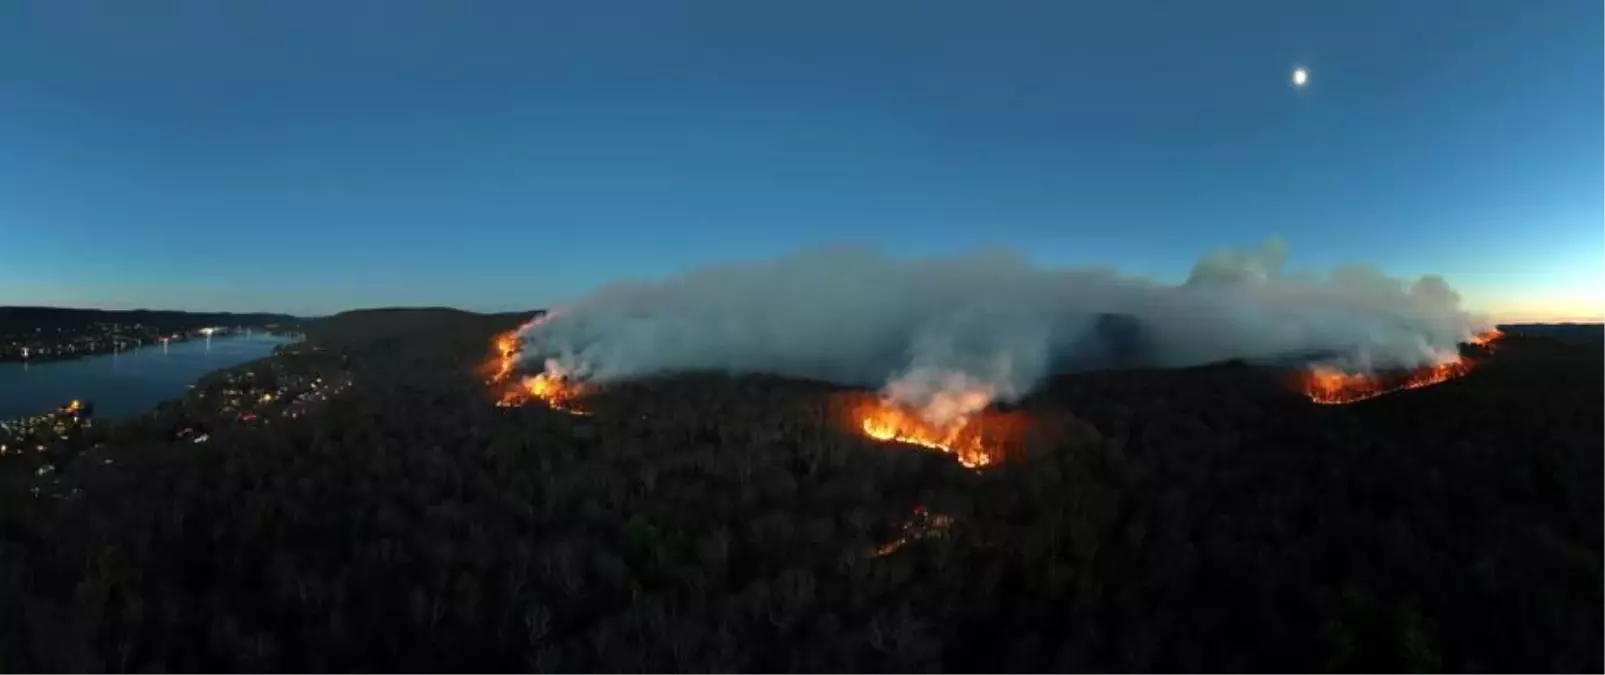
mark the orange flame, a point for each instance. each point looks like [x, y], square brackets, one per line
[506, 357]
[1329, 386]
[556, 392]
[887, 421]
[1486, 340]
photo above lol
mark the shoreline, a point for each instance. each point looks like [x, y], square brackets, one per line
[58, 357]
[205, 379]
[77, 355]
[158, 405]
[60, 439]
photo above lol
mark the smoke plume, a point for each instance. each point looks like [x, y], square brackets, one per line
[950, 335]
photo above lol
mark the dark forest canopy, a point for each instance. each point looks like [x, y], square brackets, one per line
[1575, 333]
[1204, 519]
[370, 326]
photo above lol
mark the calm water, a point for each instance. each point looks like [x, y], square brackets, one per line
[124, 384]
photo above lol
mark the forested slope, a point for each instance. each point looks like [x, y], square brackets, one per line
[1201, 519]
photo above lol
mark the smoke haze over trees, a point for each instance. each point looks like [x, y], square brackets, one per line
[991, 321]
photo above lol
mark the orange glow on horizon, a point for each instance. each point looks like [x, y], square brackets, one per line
[1577, 300]
[1551, 318]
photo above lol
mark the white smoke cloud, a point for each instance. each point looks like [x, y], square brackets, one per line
[949, 335]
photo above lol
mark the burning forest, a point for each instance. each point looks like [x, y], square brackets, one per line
[964, 435]
[945, 340]
[551, 389]
[887, 421]
[1328, 385]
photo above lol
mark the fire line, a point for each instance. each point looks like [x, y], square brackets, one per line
[886, 421]
[1330, 386]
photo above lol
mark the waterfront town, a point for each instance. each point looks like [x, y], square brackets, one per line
[280, 389]
[104, 338]
[36, 431]
[35, 334]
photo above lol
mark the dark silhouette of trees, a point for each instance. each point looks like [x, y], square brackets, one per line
[1202, 519]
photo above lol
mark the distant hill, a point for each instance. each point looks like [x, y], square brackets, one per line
[1573, 333]
[368, 326]
[12, 318]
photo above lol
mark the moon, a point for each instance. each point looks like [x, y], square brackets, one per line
[1300, 77]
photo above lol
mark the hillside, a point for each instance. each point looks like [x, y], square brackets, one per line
[1204, 519]
[1574, 333]
[370, 327]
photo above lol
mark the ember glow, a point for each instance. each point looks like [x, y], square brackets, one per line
[1330, 386]
[961, 437]
[553, 390]
[922, 525]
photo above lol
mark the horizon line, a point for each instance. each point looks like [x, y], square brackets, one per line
[1505, 320]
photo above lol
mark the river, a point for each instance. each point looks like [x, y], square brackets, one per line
[128, 383]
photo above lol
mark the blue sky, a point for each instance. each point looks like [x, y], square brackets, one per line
[311, 156]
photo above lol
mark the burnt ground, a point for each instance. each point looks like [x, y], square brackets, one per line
[1200, 519]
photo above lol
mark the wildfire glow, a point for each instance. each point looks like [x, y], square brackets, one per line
[1330, 386]
[556, 392]
[506, 357]
[887, 421]
[553, 391]
[1487, 340]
